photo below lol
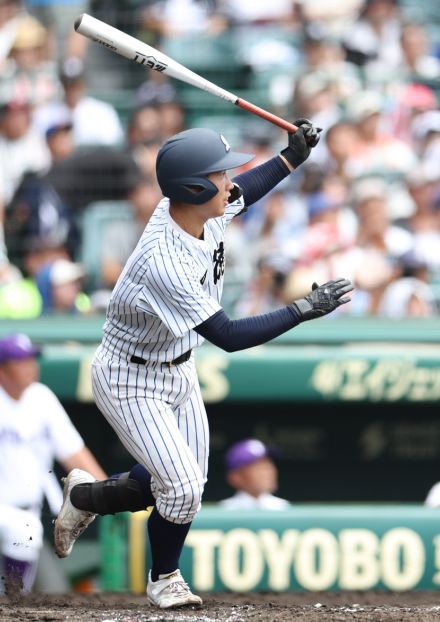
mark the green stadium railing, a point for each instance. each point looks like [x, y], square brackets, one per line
[356, 360]
[327, 331]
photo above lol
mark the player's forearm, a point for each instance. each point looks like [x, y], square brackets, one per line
[234, 335]
[258, 181]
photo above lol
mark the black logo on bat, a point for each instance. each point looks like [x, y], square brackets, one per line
[149, 61]
[107, 45]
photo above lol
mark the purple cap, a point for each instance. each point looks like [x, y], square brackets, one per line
[245, 452]
[16, 347]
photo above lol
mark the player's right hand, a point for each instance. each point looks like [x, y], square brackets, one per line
[301, 143]
[323, 299]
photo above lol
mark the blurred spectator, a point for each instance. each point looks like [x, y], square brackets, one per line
[60, 287]
[325, 56]
[337, 16]
[22, 148]
[410, 295]
[379, 244]
[144, 156]
[160, 93]
[120, 238]
[37, 216]
[59, 138]
[321, 251]
[35, 430]
[426, 132]
[144, 125]
[277, 221]
[251, 472]
[10, 12]
[58, 17]
[424, 223]
[40, 251]
[264, 292]
[56, 287]
[30, 73]
[259, 138]
[95, 122]
[256, 12]
[331, 226]
[341, 141]
[171, 18]
[19, 295]
[36, 212]
[373, 41]
[316, 99]
[377, 151]
[375, 229]
[411, 101]
[417, 62]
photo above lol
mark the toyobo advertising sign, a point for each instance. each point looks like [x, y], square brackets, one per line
[313, 548]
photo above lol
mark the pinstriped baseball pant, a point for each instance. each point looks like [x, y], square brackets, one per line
[159, 416]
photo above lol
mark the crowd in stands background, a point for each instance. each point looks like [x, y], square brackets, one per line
[366, 205]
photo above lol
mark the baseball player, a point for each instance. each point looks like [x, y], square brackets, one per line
[165, 303]
[252, 473]
[34, 430]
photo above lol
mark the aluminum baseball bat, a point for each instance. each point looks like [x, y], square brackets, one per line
[129, 47]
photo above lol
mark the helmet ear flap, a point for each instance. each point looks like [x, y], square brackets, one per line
[192, 190]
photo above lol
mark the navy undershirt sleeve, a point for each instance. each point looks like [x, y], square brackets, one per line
[233, 335]
[257, 182]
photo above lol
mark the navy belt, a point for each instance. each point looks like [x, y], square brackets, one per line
[177, 361]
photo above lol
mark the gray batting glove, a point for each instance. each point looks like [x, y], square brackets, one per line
[323, 299]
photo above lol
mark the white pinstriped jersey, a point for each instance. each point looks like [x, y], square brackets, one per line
[171, 283]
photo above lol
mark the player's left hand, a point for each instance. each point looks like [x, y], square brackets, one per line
[301, 143]
[312, 133]
[323, 299]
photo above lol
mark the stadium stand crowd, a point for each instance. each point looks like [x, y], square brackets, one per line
[80, 129]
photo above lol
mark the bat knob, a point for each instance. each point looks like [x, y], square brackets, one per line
[78, 21]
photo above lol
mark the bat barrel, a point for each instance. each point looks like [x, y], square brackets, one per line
[127, 46]
[144, 54]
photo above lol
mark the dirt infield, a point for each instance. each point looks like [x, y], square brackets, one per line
[305, 607]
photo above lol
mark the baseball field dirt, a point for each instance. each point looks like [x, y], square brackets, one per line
[305, 607]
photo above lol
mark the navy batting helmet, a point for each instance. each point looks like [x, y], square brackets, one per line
[186, 159]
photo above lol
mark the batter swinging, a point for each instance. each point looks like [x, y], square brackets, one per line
[165, 303]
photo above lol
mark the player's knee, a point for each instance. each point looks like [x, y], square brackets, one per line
[192, 501]
[184, 503]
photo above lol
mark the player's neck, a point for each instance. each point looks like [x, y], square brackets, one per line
[13, 391]
[188, 219]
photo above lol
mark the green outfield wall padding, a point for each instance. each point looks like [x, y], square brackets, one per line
[305, 548]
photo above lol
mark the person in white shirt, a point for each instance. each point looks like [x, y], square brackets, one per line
[251, 471]
[95, 122]
[34, 430]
